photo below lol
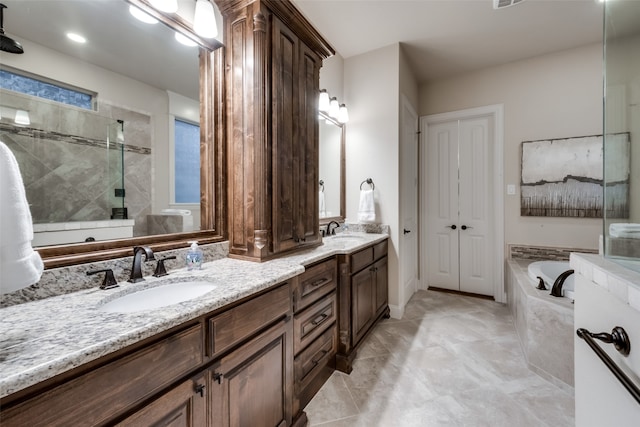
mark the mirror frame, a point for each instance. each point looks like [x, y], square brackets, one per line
[341, 217]
[212, 160]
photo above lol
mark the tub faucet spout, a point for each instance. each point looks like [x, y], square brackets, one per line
[556, 290]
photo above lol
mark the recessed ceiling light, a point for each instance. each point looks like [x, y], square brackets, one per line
[185, 40]
[76, 38]
[142, 16]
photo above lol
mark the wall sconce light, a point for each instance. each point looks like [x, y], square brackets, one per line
[343, 114]
[332, 107]
[323, 103]
[142, 16]
[204, 21]
[22, 118]
[168, 6]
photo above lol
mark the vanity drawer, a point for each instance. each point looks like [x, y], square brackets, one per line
[315, 356]
[95, 397]
[316, 281]
[380, 249]
[313, 366]
[310, 323]
[361, 259]
[241, 322]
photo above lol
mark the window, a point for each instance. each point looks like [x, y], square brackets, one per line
[187, 162]
[46, 89]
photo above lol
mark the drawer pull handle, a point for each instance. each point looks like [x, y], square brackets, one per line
[218, 378]
[320, 282]
[319, 358]
[200, 389]
[319, 319]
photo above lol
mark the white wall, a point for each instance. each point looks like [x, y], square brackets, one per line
[551, 96]
[371, 85]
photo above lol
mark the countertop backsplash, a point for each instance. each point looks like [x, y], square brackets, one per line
[64, 280]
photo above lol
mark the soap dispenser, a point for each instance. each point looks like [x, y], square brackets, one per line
[194, 257]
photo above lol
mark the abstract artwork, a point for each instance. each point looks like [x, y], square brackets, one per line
[564, 177]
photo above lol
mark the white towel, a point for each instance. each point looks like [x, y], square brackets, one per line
[321, 204]
[366, 209]
[20, 265]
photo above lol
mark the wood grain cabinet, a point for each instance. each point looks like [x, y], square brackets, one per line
[314, 332]
[363, 297]
[270, 76]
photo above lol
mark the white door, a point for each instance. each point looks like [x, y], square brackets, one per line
[460, 205]
[409, 201]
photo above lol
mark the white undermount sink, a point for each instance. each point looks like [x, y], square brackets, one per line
[160, 296]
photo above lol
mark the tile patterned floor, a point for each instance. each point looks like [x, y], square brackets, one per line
[451, 361]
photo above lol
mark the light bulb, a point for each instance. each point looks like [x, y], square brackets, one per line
[185, 40]
[169, 6]
[204, 21]
[323, 102]
[142, 16]
[22, 117]
[334, 107]
[343, 114]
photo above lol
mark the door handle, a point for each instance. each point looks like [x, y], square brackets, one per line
[405, 231]
[453, 227]
[464, 227]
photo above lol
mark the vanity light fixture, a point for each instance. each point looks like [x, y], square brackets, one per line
[168, 6]
[204, 20]
[323, 103]
[22, 117]
[334, 108]
[343, 114]
[185, 40]
[142, 16]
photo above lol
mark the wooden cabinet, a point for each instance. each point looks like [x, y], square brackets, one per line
[271, 80]
[363, 294]
[182, 406]
[314, 332]
[251, 386]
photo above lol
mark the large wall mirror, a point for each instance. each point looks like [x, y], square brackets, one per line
[107, 172]
[331, 185]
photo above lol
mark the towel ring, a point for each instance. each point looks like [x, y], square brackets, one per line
[322, 186]
[368, 181]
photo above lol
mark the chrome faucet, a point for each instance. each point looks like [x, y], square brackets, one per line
[332, 231]
[136, 268]
[556, 289]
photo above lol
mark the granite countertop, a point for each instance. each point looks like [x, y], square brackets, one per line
[41, 339]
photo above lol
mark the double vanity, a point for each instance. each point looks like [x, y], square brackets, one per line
[257, 344]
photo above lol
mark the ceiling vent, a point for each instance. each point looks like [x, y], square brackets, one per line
[499, 4]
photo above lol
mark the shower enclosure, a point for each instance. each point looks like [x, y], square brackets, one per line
[622, 130]
[71, 160]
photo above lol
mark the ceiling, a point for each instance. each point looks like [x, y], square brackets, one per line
[446, 37]
[440, 37]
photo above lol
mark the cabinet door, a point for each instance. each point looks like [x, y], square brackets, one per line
[285, 113]
[382, 291]
[183, 406]
[252, 386]
[363, 294]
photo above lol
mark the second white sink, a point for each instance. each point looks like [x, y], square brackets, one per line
[160, 296]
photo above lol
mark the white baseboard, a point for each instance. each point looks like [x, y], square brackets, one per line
[396, 312]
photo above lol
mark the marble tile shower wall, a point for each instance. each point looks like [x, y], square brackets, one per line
[62, 157]
[64, 280]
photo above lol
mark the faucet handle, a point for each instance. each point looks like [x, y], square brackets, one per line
[109, 280]
[160, 268]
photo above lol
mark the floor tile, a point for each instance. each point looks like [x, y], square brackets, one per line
[452, 360]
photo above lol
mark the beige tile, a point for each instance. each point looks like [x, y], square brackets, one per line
[332, 402]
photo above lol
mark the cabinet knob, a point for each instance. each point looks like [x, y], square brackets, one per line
[453, 227]
[464, 227]
[200, 389]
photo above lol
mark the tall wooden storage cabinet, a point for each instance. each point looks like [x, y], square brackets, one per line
[272, 60]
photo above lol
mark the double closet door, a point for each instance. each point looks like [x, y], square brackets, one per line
[460, 205]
